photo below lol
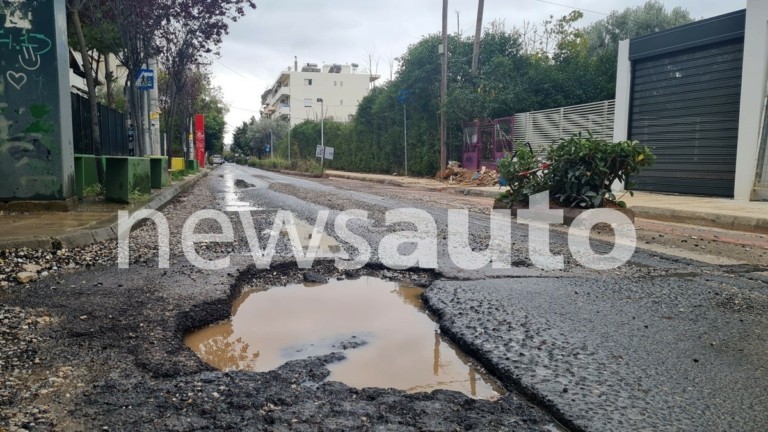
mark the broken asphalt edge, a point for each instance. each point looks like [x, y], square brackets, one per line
[105, 229]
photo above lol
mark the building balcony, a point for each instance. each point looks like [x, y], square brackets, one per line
[271, 97]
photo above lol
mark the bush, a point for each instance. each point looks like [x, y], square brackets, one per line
[270, 164]
[301, 165]
[579, 173]
[584, 168]
[523, 176]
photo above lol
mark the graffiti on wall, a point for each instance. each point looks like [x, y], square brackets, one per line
[28, 146]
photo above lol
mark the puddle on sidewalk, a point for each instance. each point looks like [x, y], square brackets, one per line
[381, 326]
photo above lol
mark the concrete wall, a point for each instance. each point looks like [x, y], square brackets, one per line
[36, 152]
[753, 93]
[623, 93]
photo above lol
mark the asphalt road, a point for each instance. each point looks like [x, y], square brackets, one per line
[669, 341]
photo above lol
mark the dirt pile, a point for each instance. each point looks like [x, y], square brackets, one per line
[461, 176]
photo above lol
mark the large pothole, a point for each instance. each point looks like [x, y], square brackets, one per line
[388, 338]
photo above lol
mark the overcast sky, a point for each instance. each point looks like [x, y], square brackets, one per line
[264, 43]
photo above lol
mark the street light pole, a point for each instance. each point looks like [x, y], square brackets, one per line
[289, 140]
[322, 137]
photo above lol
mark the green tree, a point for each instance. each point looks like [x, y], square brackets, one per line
[240, 143]
[211, 104]
[650, 17]
[551, 65]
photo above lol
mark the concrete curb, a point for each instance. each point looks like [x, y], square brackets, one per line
[692, 217]
[301, 174]
[291, 173]
[369, 179]
[105, 229]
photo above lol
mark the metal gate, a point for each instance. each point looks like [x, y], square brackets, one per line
[685, 105]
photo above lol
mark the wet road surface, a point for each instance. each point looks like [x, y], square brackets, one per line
[666, 342]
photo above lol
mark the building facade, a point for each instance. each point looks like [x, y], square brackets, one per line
[294, 95]
[696, 94]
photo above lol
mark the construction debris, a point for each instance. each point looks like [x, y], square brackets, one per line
[460, 176]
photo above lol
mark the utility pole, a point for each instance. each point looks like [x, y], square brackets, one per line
[478, 33]
[458, 24]
[444, 92]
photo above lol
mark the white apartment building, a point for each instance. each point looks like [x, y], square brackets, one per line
[294, 95]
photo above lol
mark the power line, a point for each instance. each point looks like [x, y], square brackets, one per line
[221, 63]
[573, 7]
[244, 109]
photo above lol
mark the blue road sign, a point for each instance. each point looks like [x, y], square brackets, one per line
[145, 79]
[403, 96]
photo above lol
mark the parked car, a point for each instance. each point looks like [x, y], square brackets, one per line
[217, 160]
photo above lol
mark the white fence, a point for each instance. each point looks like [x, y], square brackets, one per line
[542, 128]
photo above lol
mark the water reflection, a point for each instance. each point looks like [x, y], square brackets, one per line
[404, 348]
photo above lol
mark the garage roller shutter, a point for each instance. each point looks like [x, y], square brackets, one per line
[685, 105]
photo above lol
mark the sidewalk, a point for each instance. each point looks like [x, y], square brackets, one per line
[720, 213]
[89, 222]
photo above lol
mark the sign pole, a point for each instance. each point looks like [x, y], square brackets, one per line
[405, 139]
[289, 140]
[322, 137]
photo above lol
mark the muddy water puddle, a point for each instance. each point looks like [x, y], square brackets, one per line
[381, 326]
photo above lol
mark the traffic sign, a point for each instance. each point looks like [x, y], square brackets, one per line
[145, 79]
[403, 96]
[319, 151]
[329, 153]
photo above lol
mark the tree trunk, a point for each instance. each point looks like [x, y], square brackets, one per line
[138, 125]
[90, 82]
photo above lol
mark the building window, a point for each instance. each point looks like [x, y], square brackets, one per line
[334, 83]
[308, 103]
[307, 81]
[341, 102]
[341, 83]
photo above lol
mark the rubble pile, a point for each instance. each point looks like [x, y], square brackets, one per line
[460, 176]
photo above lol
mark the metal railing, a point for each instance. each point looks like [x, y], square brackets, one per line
[112, 128]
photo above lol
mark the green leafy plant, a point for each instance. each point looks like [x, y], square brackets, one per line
[137, 196]
[584, 169]
[524, 175]
[177, 175]
[93, 190]
[276, 163]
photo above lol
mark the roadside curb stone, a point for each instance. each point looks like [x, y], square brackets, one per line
[690, 217]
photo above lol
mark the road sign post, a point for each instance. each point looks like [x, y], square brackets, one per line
[402, 97]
